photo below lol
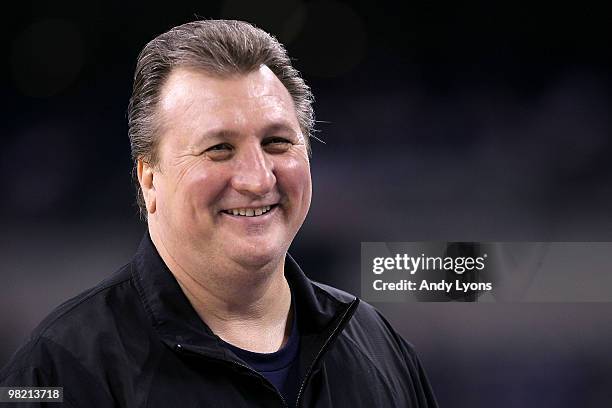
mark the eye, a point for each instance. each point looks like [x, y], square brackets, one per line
[276, 144]
[220, 146]
[220, 151]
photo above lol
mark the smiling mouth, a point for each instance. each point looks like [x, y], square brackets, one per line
[250, 212]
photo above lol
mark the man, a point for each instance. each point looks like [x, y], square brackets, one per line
[212, 311]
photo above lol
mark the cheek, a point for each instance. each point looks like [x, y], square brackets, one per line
[204, 187]
[197, 188]
[293, 176]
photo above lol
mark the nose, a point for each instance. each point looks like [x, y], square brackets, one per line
[253, 172]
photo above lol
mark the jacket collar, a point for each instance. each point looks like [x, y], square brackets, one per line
[179, 325]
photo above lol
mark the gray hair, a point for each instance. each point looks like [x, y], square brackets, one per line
[219, 47]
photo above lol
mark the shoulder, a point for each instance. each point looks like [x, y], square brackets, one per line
[334, 293]
[72, 330]
[368, 328]
[372, 332]
[369, 346]
[89, 311]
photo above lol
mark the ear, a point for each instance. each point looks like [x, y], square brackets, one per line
[145, 178]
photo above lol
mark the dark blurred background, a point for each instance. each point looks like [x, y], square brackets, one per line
[440, 122]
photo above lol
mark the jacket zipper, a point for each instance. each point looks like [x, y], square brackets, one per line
[237, 363]
[347, 314]
[345, 317]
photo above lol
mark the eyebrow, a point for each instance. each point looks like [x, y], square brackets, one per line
[280, 127]
[229, 134]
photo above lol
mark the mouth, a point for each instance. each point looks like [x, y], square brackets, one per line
[250, 211]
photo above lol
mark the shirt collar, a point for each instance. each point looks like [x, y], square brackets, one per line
[177, 322]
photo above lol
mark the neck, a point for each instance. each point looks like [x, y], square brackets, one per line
[245, 306]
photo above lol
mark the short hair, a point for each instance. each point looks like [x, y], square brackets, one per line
[219, 47]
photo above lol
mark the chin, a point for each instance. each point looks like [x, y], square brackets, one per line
[259, 256]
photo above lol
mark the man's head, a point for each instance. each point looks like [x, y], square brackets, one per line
[219, 124]
[222, 48]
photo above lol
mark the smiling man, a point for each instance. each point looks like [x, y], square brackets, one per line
[212, 311]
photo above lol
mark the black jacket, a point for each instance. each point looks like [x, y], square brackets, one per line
[135, 341]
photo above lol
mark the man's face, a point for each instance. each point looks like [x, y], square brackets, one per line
[233, 181]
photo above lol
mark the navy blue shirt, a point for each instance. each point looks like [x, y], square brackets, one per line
[280, 367]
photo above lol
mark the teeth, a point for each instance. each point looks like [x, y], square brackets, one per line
[249, 212]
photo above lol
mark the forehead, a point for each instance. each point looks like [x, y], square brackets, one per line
[192, 97]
